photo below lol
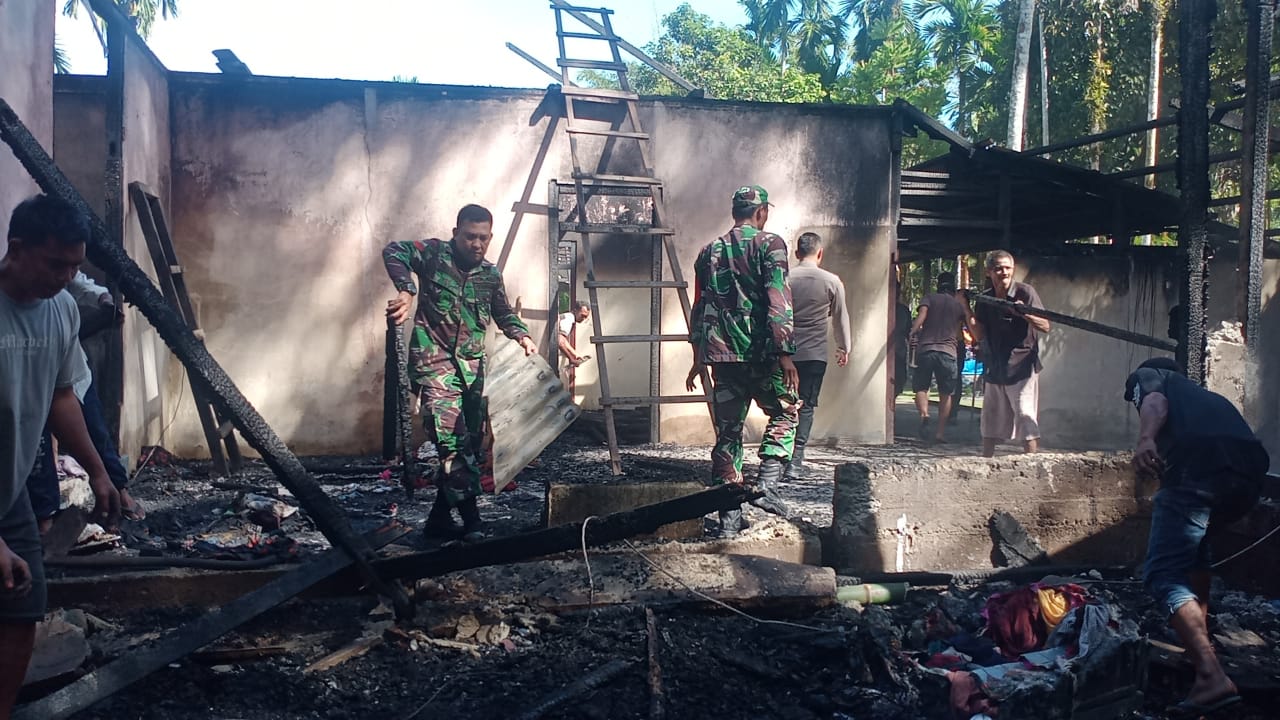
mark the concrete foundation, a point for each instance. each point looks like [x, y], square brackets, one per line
[569, 503]
[932, 513]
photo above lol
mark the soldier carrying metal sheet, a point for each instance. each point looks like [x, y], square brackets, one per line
[460, 293]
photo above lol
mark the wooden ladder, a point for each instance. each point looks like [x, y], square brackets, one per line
[584, 108]
[219, 433]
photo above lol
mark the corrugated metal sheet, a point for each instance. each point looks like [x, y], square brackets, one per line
[528, 408]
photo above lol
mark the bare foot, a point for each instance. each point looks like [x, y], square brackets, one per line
[1208, 690]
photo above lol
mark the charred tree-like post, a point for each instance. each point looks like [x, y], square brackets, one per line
[1260, 17]
[1194, 29]
[397, 363]
[203, 369]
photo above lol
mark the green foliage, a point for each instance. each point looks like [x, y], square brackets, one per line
[61, 63]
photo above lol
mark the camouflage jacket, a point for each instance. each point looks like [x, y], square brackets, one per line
[454, 308]
[742, 306]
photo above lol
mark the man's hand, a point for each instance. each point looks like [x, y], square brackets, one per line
[526, 342]
[106, 502]
[842, 357]
[691, 380]
[1146, 458]
[14, 573]
[399, 308]
[790, 376]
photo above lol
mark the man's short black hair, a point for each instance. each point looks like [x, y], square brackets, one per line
[474, 214]
[808, 244]
[946, 281]
[580, 304]
[42, 217]
[1163, 363]
[745, 213]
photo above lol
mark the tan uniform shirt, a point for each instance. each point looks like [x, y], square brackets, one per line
[816, 295]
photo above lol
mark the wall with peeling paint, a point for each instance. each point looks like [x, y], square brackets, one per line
[285, 190]
[26, 83]
[153, 381]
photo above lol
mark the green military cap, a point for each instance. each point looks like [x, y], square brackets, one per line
[749, 196]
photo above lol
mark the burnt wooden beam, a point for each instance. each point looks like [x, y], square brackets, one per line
[1195, 30]
[1254, 170]
[1081, 324]
[397, 363]
[202, 368]
[607, 529]
[180, 642]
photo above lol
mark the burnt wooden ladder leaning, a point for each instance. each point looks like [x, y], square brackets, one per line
[584, 110]
[219, 433]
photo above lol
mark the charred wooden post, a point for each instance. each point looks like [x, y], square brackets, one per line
[563, 538]
[1081, 323]
[1256, 131]
[1195, 30]
[191, 352]
[397, 364]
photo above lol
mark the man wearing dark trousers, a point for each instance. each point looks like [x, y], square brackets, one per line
[1211, 468]
[936, 331]
[816, 295]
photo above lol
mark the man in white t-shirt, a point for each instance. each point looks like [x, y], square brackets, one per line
[569, 358]
[40, 365]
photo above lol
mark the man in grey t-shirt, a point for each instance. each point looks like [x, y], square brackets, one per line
[935, 331]
[816, 295]
[40, 363]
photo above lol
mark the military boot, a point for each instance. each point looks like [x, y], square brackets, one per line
[796, 468]
[732, 522]
[767, 482]
[471, 524]
[440, 520]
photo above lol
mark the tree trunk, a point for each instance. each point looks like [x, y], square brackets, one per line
[1044, 81]
[962, 122]
[1021, 62]
[1158, 13]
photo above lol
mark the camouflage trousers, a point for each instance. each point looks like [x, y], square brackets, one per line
[734, 386]
[454, 414]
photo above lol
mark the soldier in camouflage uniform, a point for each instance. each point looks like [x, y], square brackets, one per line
[741, 326]
[460, 293]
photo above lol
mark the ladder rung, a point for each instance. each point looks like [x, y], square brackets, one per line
[591, 64]
[635, 284]
[589, 36]
[576, 8]
[653, 400]
[604, 339]
[607, 229]
[599, 93]
[620, 179]
[524, 207]
[608, 133]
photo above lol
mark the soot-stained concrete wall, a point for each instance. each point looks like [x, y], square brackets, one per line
[931, 513]
[284, 192]
[152, 380]
[1081, 387]
[26, 83]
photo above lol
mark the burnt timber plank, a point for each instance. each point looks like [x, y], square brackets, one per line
[182, 641]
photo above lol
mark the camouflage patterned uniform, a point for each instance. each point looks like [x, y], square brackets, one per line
[741, 323]
[446, 352]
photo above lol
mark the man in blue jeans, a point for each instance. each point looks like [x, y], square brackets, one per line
[1211, 468]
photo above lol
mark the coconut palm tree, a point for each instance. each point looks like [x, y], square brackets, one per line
[142, 12]
[868, 15]
[1021, 63]
[962, 35]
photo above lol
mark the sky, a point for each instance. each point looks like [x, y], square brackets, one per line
[458, 42]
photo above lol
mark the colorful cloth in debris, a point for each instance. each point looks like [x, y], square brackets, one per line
[446, 353]
[735, 385]
[742, 306]
[1016, 621]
